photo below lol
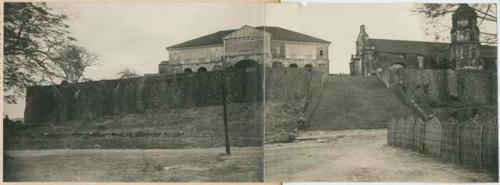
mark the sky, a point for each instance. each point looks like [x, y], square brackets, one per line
[135, 35]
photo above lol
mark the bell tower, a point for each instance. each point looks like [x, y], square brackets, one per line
[365, 52]
[464, 48]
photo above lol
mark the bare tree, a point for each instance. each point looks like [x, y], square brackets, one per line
[127, 73]
[72, 60]
[434, 14]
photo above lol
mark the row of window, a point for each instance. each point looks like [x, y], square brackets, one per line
[204, 54]
[275, 65]
[200, 70]
[279, 65]
[198, 53]
[278, 51]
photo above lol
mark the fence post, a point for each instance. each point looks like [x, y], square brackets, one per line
[443, 130]
[459, 156]
[423, 136]
[390, 132]
[412, 140]
[481, 147]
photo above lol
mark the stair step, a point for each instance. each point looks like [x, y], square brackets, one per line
[356, 102]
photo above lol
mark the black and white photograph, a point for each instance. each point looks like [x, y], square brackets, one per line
[250, 92]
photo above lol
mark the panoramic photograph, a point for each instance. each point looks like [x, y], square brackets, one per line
[225, 92]
[129, 92]
[410, 96]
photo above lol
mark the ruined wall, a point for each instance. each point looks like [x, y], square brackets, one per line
[108, 97]
[285, 84]
[438, 88]
[90, 100]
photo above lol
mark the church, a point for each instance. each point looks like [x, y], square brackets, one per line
[464, 52]
[272, 47]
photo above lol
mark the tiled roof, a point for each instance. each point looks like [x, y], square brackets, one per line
[277, 33]
[422, 48]
[210, 39]
[404, 46]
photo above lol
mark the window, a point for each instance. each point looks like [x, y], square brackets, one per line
[278, 50]
[322, 67]
[320, 52]
[277, 64]
[473, 52]
[461, 36]
[420, 60]
[461, 55]
[463, 22]
[217, 67]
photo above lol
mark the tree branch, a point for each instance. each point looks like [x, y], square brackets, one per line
[485, 14]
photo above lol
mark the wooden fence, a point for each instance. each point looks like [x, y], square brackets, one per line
[473, 142]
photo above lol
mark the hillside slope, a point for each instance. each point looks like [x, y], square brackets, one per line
[356, 103]
[199, 127]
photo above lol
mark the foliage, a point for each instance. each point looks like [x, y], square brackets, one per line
[127, 73]
[72, 60]
[35, 41]
[434, 14]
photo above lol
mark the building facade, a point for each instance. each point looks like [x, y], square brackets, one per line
[464, 51]
[269, 46]
[465, 46]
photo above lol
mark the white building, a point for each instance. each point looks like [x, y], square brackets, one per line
[271, 46]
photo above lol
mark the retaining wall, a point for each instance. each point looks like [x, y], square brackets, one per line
[438, 88]
[89, 100]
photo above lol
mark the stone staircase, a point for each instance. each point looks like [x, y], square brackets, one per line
[348, 102]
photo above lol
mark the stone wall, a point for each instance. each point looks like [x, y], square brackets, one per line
[90, 100]
[284, 84]
[109, 97]
[438, 88]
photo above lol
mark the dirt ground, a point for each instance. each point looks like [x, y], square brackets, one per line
[172, 165]
[360, 156]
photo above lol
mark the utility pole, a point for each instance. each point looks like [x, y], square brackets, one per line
[224, 107]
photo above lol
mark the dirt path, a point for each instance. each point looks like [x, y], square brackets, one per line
[361, 156]
[172, 165]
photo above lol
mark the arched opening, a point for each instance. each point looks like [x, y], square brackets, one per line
[293, 66]
[188, 70]
[202, 69]
[246, 65]
[308, 67]
[249, 74]
[277, 65]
